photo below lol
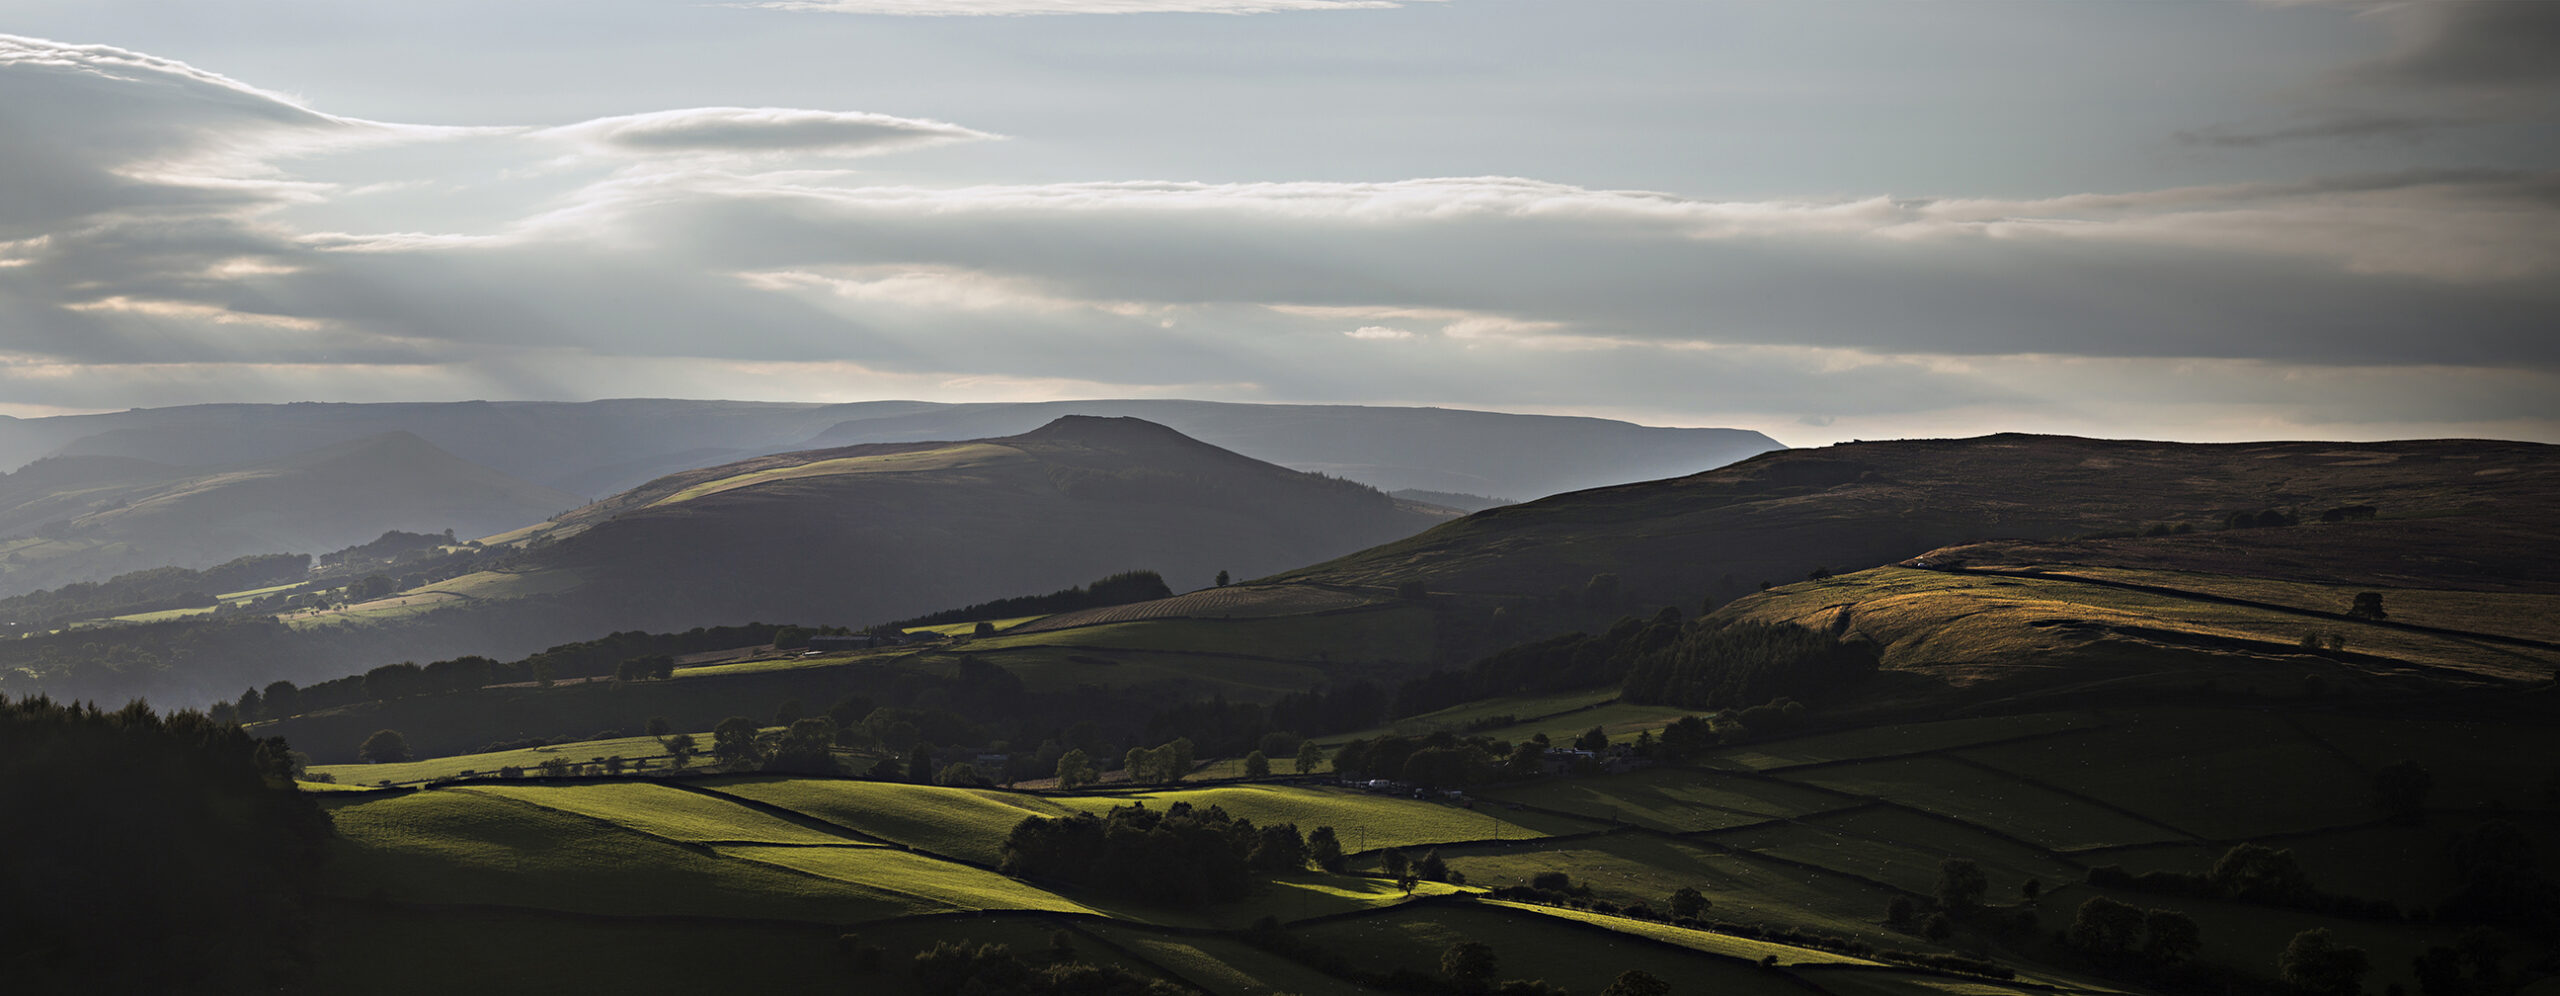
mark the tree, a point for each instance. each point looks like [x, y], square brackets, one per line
[961, 774]
[1256, 765]
[1595, 740]
[2256, 873]
[1310, 757]
[2368, 605]
[1961, 885]
[2170, 937]
[682, 748]
[1526, 759]
[1222, 579]
[1394, 863]
[983, 628]
[734, 740]
[1075, 770]
[1688, 902]
[2314, 964]
[1325, 849]
[1431, 868]
[283, 699]
[1469, 965]
[251, 706]
[1938, 927]
[2104, 927]
[2031, 888]
[1637, 982]
[657, 726]
[384, 747]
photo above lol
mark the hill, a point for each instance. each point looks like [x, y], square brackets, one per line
[602, 447]
[862, 534]
[86, 518]
[2466, 514]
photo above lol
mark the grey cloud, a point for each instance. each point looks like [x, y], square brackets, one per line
[765, 129]
[2490, 45]
[1028, 8]
[2351, 127]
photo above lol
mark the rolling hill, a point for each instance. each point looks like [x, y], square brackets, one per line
[85, 518]
[2459, 513]
[862, 534]
[602, 447]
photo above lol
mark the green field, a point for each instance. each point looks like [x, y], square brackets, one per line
[1399, 634]
[945, 458]
[663, 811]
[1628, 867]
[1987, 799]
[1901, 849]
[1678, 801]
[2240, 775]
[969, 628]
[530, 758]
[1581, 958]
[969, 824]
[1362, 820]
[1903, 738]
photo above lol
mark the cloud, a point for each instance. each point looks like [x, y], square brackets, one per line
[2489, 46]
[2354, 126]
[697, 255]
[1026, 8]
[763, 130]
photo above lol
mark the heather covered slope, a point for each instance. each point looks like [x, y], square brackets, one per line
[2464, 512]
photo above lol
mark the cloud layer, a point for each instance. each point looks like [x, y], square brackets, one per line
[159, 247]
[1028, 8]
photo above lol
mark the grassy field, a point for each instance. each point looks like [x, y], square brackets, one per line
[1901, 849]
[1698, 940]
[969, 824]
[2474, 764]
[1626, 868]
[1395, 633]
[1901, 738]
[2529, 615]
[1362, 820]
[1224, 967]
[1460, 717]
[474, 587]
[1942, 786]
[2239, 774]
[530, 758]
[1234, 602]
[967, 628]
[663, 811]
[1531, 946]
[1677, 801]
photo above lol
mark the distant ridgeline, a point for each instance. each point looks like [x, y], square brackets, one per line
[152, 590]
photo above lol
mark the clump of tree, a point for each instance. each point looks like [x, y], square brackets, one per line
[2122, 937]
[1744, 663]
[1439, 760]
[151, 590]
[1544, 667]
[1179, 856]
[950, 969]
[2249, 873]
[1118, 589]
[654, 667]
[1162, 764]
[2315, 965]
[151, 853]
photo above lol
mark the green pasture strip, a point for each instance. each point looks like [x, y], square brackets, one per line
[967, 628]
[1672, 800]
[529, 758]
[1395, 634]
[1619, 721]
[934, 885]
[1531, 946]
[1701, 940]
[1901, 849]
[1898, 739]
[969, 824]
[1626, 868]
[945, 458]
[1459, 718]
[866, 658]
[452, 846]
[667, 812]
[1224, 967]
[1308, 895]
[257, 592]
[1055, 669]
[1987, 799]
[2474, 763]
[165, 615]
[2219, 775]
[2248, 937]
[1359, 819]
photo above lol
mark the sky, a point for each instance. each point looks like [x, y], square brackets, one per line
[1822, 219]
